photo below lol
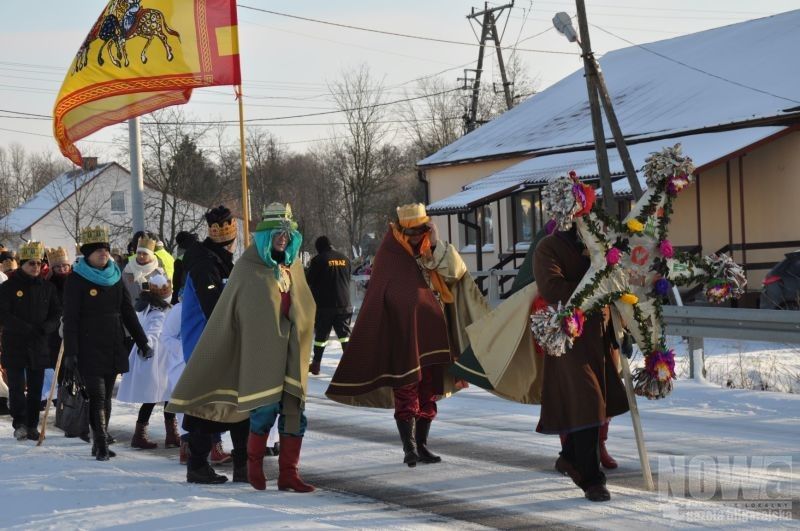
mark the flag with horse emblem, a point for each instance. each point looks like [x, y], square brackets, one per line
[143, 55]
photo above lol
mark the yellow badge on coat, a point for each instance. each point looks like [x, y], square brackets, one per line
[93, 292]
[20, 293]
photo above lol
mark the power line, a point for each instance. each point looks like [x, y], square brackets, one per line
[392, 33]
[696, 69]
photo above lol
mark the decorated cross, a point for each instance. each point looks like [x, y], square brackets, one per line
[633, 267]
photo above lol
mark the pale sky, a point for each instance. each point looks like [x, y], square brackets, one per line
[287, 63]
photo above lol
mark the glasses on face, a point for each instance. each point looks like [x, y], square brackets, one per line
[34, 263]
[416, 231]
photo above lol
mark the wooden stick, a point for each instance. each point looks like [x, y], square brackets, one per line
[637, 424]
[52, 392]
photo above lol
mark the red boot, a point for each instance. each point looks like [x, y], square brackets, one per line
[606, 460]
[256, 449]
[289, 478]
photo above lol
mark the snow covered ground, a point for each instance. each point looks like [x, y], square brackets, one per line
[705, 443]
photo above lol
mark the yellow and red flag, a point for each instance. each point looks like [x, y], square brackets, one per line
[143, 55]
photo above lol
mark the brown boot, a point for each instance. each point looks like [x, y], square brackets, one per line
[184, 453]
[289, 478]
[256, 449]
[218, 455]
[173, 438]
[140, 439]
[606, 460]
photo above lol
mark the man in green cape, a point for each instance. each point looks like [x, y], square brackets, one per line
[252, 359]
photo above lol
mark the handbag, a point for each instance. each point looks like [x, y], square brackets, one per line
[72, 411]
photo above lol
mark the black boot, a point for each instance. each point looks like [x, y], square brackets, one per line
[239, 456]
[100, 449]
[198, 469]
[205, 475]
[425, 455]
[407, 435]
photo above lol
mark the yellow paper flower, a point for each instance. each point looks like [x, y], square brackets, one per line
[629, 298]
[635, 225]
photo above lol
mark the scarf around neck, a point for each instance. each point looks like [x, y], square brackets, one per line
[141, 272]
[108, 276]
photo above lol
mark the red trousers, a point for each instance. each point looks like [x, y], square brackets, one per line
[417, 399]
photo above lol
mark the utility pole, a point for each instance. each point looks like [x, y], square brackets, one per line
[488, 32]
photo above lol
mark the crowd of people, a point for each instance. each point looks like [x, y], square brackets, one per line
[228, 346]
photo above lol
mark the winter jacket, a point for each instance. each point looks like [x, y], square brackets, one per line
[93, 326]
[29, 311]
[328, 276]
[208, 266]
[54, 341]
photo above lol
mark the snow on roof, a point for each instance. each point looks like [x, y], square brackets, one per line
[48, 198]
[654, 95]
[704, 149]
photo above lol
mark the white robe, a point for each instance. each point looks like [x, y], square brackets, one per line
[172, 349]
[146, 381]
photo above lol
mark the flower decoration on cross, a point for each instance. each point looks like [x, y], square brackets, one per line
[633, 267]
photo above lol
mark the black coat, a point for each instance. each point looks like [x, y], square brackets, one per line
[209, 265]
[328, 276]
[93, 326]
[55, 338]
[29, 312]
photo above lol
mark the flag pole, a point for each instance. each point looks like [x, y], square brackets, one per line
[245, 192]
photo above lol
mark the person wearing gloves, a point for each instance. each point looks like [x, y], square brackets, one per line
[251, 361]
[96, 306]
[29, 313]
[146, 381]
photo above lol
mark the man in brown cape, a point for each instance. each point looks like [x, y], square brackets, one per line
[409, 330]
[252, 359]
[581, 390]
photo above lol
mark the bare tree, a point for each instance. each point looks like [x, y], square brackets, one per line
[353, 159]
[435, 120]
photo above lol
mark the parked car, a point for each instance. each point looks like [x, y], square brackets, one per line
[781, 287]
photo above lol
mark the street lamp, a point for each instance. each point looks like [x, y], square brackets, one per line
[563, 23]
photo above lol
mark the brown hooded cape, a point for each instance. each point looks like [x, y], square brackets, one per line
[401, 327]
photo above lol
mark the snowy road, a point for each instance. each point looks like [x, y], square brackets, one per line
[496, 473]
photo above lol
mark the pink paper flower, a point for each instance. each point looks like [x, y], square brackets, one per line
[613, 255]
[573, 323]
[665, 248]
[661, 365]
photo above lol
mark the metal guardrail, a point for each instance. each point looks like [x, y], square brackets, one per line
[782, 326]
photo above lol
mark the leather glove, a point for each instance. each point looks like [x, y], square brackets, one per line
[70, 363]
[146, 353]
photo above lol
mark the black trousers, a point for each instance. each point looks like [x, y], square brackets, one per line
[24, 405]
[147, 410]
[99, 389]
[327, 318]
[582, 449]
[202, 435]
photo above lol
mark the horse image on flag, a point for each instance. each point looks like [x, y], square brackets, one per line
[122, 21]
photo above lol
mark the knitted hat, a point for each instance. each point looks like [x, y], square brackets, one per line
[412, 215]
[222, 228]
[32, 250]
[184, 239]
[93, 238]
[159, 285]
[277, 216]
[57, 256]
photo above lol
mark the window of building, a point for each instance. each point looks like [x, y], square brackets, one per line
[469, 235]
[528, 211]
[118, 201]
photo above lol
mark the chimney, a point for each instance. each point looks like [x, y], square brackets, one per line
[89, 163]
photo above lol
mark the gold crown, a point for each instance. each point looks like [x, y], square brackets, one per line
[98, 234]
[146, 243]
[412, 215]
[57, 256]
[223, 232]
[31, 251]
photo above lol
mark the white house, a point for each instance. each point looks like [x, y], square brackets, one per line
[100, 196]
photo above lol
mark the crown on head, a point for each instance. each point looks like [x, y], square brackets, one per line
[412, 215]
[31, 251]
[159, 285]
[224, 231]
[98, 234]
[56, 256]
[277, 216]
[146, 243]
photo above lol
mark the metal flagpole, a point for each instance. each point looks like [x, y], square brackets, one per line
[137, 177]
[245, 189]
